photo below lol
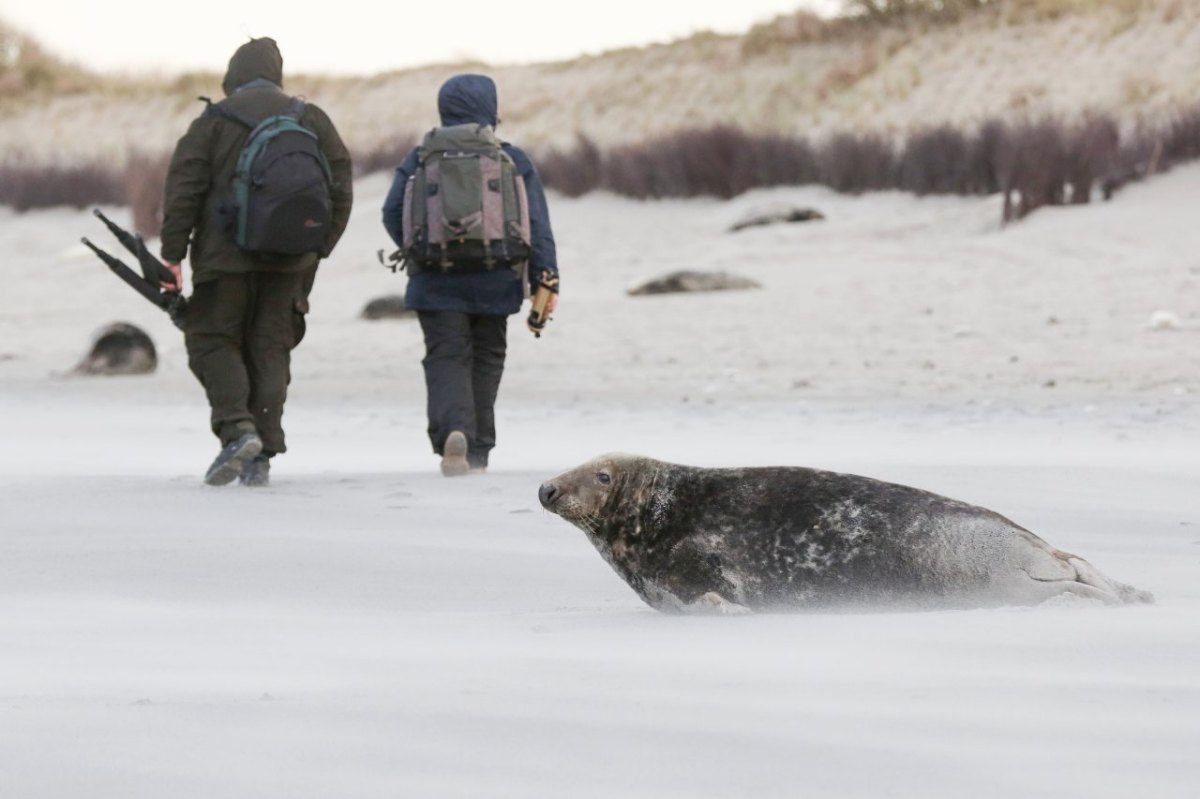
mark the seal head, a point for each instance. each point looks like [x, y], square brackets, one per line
[627, 506]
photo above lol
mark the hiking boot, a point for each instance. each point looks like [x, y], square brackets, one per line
[228, 465]
[256, 472]
[454, 455]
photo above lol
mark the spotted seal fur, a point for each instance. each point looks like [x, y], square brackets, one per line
[786, 538]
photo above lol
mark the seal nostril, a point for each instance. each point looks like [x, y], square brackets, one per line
[547, 494]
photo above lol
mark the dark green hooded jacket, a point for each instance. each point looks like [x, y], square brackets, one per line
[198, 193]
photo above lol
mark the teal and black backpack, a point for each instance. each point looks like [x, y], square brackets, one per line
[465, 208]
[281, 187]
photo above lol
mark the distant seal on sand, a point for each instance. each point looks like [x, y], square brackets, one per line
[119, 349]
[777, 216]
[390, 306]
[686, 282]
[784, 538]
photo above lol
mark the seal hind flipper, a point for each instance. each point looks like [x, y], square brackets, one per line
[1124, 593]
[1070, 574]
[1050, 590]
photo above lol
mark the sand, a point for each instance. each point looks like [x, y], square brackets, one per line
[367, 628]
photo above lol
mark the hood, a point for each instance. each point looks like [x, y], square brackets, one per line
[466, 99]
[256, 59]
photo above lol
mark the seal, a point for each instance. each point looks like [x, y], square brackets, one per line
[690, 539]
[119, 349]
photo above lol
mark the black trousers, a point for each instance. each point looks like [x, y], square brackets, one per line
[464, 360]
[241, 330]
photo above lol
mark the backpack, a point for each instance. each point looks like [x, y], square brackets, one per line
[281, 187]
[465, 207]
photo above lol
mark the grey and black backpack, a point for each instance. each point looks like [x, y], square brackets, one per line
[281, 203]
[465, 208]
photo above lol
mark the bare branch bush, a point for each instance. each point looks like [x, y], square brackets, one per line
[145, 181]
[25, 186]
[384, 156]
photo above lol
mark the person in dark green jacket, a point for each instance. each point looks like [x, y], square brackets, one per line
[246, 312]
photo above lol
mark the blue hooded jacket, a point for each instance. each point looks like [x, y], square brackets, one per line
[466, 99]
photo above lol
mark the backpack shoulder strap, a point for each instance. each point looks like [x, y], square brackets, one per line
[423, 149]
[295, 108]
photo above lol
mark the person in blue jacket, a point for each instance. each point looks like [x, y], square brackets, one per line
[464, 316]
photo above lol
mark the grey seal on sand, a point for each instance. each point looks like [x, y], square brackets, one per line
[691, 539]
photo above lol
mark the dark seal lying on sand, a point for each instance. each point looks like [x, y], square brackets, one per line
[686, 282]
[781, 538]
[119, 349]
[390, 306]
[776, 217]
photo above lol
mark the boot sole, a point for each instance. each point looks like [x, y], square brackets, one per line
[454, 455]
[231, 469]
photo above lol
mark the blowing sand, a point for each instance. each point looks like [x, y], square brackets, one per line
[366, 628]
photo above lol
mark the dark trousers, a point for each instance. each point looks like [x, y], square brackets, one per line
[241, 330]
[464, 360]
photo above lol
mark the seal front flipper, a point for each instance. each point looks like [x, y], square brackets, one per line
[693, 582]
[714, 603]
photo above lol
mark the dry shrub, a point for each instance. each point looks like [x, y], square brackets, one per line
[1037, 163]
[1052, 163]
[643, 171]
[573, 172]
[857, 162]
[1091, 153]
[1151, 150]
[1038, 175]
[938, 160]
[706, 162]
[1181, 138]
[995, 155]
[1020, 10]
[928, 9]
[720, 162]
[790, 30]
[145, 183]
[779, 161]
[384, 156]
[633, 171]
[25, 186]
[859, 18]
[1138, 156]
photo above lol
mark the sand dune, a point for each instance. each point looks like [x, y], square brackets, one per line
[1137, 59]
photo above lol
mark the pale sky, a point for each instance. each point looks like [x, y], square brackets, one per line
[367, 36]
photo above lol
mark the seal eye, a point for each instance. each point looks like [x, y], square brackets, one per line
[604, 477]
